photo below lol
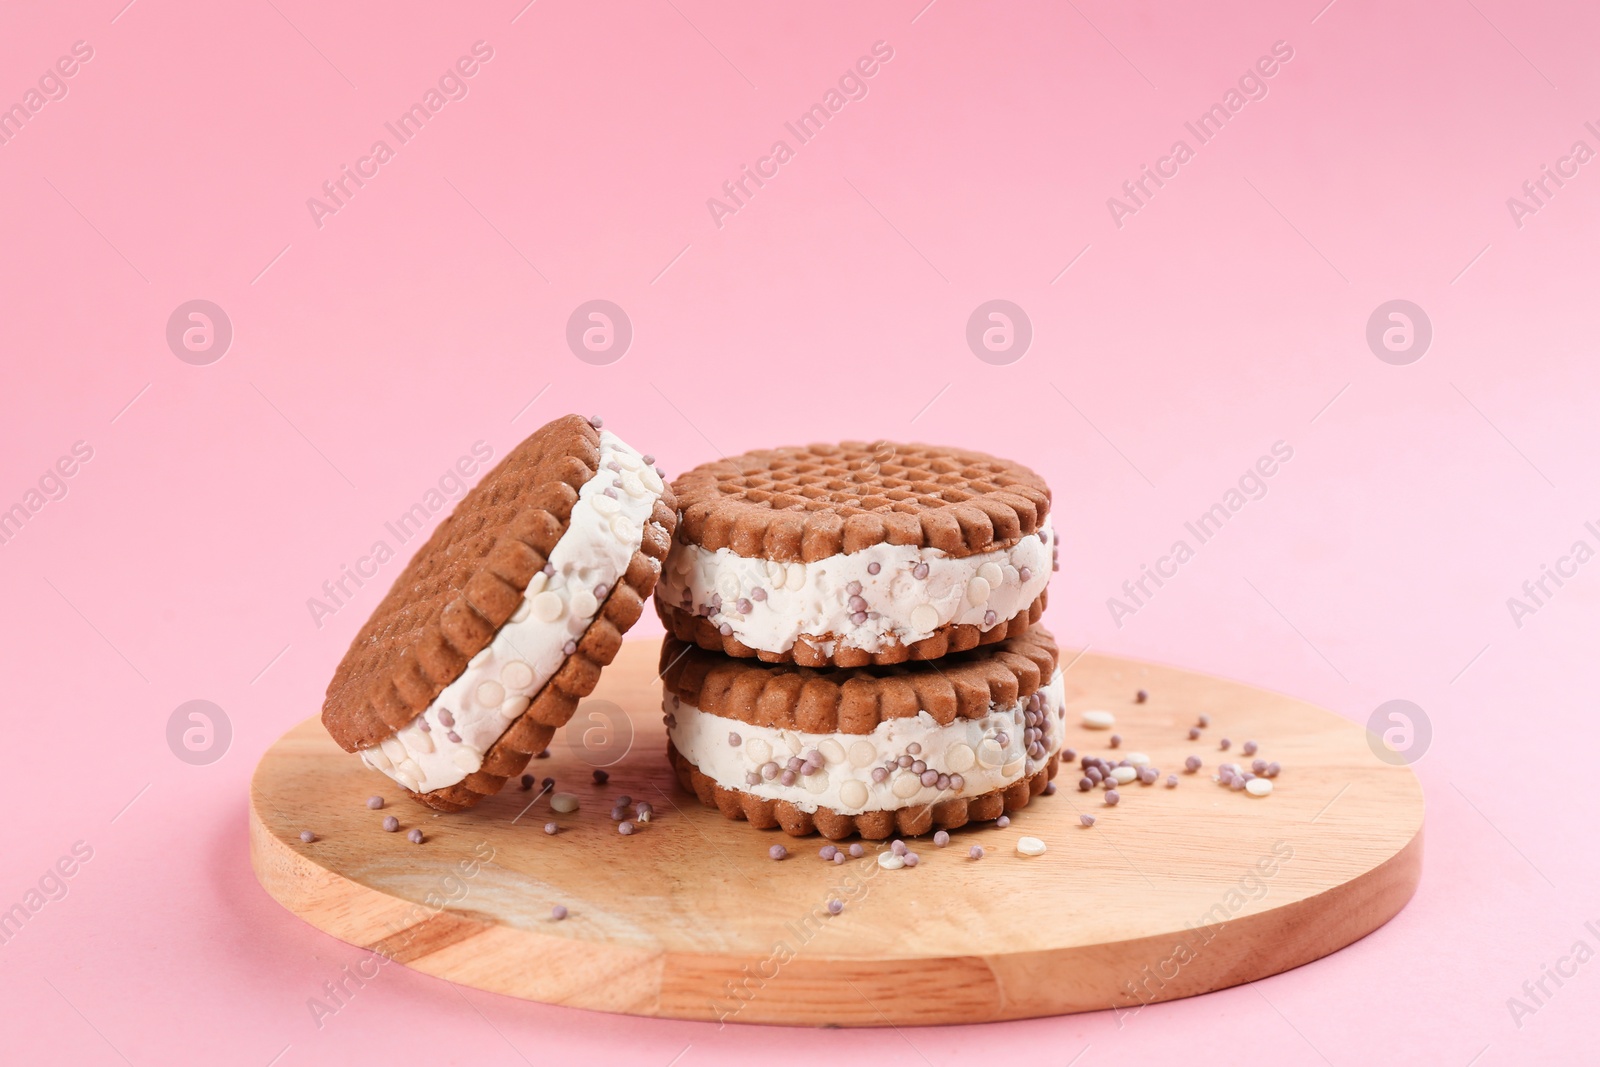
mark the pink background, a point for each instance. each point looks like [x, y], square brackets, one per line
[369, 353]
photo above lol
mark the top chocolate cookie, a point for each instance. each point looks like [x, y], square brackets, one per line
[857, 553]
[502, 620]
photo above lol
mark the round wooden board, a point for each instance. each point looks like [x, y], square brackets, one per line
[1173, 892]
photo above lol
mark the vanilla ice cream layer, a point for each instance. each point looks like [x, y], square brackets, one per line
[879, 597]
[447, 742]
[856, 773]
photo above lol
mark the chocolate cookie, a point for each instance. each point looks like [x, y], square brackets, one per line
[857, 554]
[502, 621]
[873, 751]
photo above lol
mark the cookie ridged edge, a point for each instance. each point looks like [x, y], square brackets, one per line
[855, 700]
[806, 651]
[909, 821]
[713, 519]
[552, 707]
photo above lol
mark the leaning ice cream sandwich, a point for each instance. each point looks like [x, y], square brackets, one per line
[857, 554]
[502, 621]
[866, 750]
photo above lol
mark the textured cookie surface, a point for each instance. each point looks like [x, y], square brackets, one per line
[465, 583]
[855, 700]
[805, 503]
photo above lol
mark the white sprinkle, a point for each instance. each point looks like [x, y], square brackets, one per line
[1258, 787]
[1138, 759]
[1124, 775]
[1099, 720]
[1030, 846]
[565, 803]
[890, 861]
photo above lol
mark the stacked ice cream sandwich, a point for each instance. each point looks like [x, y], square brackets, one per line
[852, 641]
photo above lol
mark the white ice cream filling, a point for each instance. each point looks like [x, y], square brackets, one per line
[856, 773]
[873, 599]
[447, 742]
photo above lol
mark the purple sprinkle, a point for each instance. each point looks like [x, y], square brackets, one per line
[1148, 775]
[1116, 740]
[445, 718]
[558, 912]
[874, 568]
[600, 591]
[648, 460]
[858, 618]
[414, 836]
[1172, 781]
[548, 783]
[625, 828]
[1272, 770]
[941, 839]
[1068, 755]
[1087, 820]
[975, 852]
[857, 851]
[1024, 573]
[1237, 783]
[919, 571]
[618, 814]
[914, 749]
[1085, 784]
[1192, 764]
[911, 859]
[1249, 748]
[1194, 733]
[879, 774]
[307, 836]
[1140, 697]
[838, 858]
[929, 778]
[827, 852]
[752, 778]
[1049, 789]
[957, 782]
[569, 648]
[734, 739]
[1259, 766]
[1112, 796]
[422, 724]
[390, 823]
[904, 762]
[610, 492]
[1003, 821]
[644, 812]
[990, 618]
[835, 907]
[857, 603]
[758, 593]
[917, 766]
[940, 782]
[898, 847]
[853, 588]
[1203, 721]
[1002, 739]
[726, 630]
[777, 852]
[374, 803]
[601, 777]
[548, 570]
[624, 800]
[1225, 744]
[769, 770]
[596, 421]
[543, 753]
[787, 777]
[551, 828]
[454, 737]
[743, 606]
[526, 782]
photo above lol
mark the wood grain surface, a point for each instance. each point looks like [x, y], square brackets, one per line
[1171, 893]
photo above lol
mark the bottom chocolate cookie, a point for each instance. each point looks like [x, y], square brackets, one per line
[921, 818]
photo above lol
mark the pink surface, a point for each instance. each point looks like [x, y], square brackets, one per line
[429, 312]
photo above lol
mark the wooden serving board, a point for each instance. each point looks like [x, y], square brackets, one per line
[1171, 893]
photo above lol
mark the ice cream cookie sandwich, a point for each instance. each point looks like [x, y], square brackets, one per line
[873, 751]
[857, 554]
[502, 621]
